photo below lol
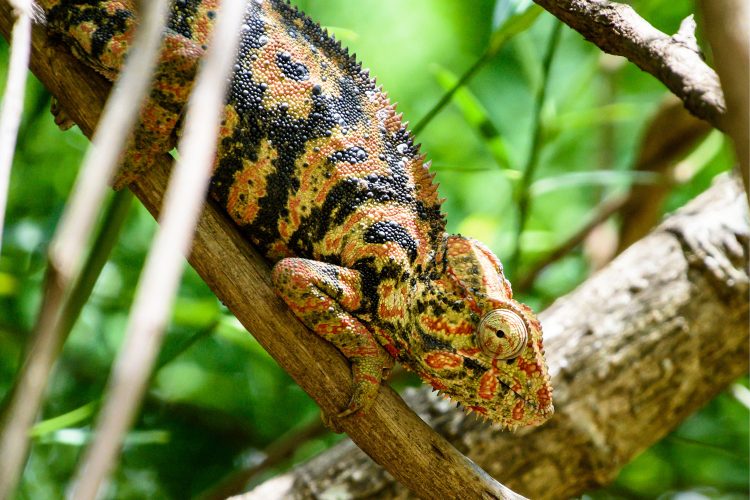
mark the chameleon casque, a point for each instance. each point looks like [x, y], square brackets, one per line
[318, 171]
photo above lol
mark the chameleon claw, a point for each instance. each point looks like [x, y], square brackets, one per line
[366, 387]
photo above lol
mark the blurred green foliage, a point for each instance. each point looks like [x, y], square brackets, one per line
[218, 399]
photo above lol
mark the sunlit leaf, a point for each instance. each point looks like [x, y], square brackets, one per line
[612, 178]
[592, 117]
[476, 115]
[68, 419]
[510, 18]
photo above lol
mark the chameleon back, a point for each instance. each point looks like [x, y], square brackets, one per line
[319, 172]
[313, 160]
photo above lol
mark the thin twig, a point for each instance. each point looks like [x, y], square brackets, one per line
[44, 349]
[605, 210]
[12, 102]
[524, 198]
[164, 264]
[446, 98]
[84, 412]
[66, 250]
[617, 29]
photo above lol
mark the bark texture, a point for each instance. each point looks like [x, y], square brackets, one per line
[633, 351]
[675, 60]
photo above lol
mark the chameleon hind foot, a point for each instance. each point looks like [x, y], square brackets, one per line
[368, 374]
[62, 120]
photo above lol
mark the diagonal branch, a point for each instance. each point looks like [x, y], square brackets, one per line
[674, 60]
[390, 433]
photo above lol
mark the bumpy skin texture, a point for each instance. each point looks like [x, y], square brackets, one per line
[319, 172]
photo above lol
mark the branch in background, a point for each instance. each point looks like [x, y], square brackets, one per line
[674, 60]
[278, 451]
[632, 352]
[670, 135]
[604, 211]
[427, 464]
[727, 27]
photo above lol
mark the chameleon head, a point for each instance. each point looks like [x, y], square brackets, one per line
[478, 346]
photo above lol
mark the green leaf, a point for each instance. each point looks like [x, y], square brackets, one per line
[591, 117]
[511, 17]
[73, 417]
[615, 178]
[477, 116]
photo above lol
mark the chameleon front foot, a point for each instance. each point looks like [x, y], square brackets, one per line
[324, 297]
[368, 373]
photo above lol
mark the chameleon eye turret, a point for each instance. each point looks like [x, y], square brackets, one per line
[502, 334]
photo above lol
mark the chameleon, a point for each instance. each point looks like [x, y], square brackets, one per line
[320, 173]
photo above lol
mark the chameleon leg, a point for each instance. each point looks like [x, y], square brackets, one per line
[100, 33]
[323, 296]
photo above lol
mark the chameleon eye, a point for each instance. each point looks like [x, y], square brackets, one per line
[502, 334]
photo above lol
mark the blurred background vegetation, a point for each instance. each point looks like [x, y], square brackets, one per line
[218, 403]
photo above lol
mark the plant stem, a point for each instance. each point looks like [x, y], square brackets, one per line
[524, 198]
[446, 98]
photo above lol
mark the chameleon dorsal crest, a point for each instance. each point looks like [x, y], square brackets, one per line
[318, 171]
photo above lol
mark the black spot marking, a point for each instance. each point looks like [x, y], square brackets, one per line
[474, 365]
[182, 16]
[435, 344]
[292, 69]
[352, 155]
[383, 232]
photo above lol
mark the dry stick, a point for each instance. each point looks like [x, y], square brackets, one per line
[12, 102]
[618, 29]
[727, 27]
[414, 454]
[66, 251]
[164, 264]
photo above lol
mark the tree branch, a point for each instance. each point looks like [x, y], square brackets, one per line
[727, 27]
[390, 432]
[674, 60]
[633, 351]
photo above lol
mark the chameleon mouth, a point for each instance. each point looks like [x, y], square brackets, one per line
[533, 413]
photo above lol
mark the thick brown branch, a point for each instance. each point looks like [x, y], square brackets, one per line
[617, 29]
[390, 433]
[633, 351]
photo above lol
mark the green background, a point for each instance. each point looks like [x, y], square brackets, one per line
[219, 400]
